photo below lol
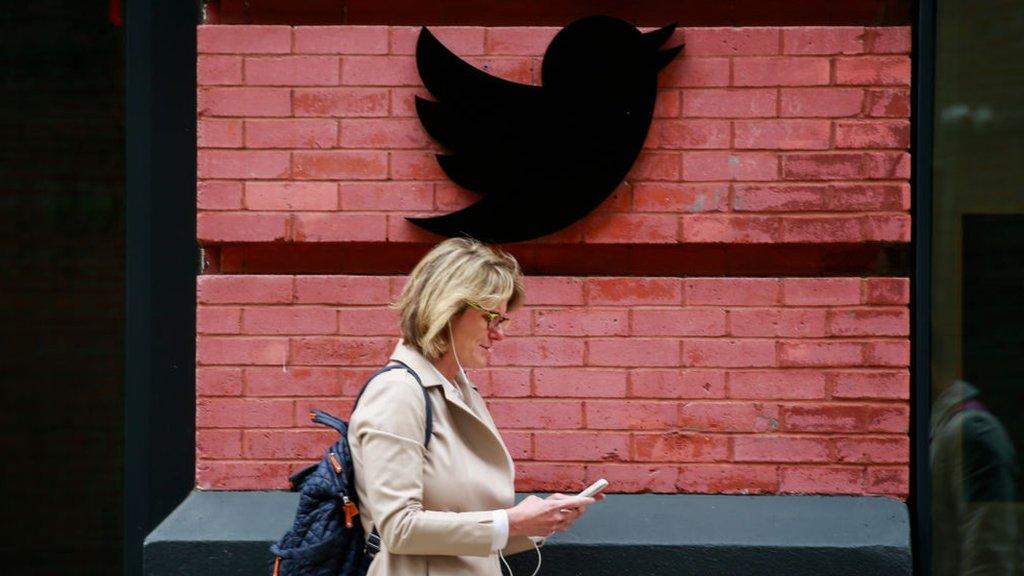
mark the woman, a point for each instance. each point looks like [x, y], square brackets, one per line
[447, 508]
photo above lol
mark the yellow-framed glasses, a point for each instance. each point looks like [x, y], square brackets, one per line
[495, 320]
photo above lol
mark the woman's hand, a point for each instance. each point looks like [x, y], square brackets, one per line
[536, 517]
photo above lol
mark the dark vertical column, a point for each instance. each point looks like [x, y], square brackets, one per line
[922, 152]
[161, 265]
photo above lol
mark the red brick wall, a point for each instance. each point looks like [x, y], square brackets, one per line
[763, 135]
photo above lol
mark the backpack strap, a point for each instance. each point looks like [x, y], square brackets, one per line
[426, 398]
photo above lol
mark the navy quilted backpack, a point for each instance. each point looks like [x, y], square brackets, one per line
[325, 538]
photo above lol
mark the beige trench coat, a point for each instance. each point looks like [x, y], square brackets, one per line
[432, 506]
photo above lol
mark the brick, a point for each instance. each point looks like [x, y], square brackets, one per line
[291, 196]
[243, 164]
[872, 450]
[243, 413]
[764, 448]
[244, 39]
[745, 41]
[727, 479]
[379, 71]
[888, 480]
[680, 447]
[688, 134]
[579, 382]
[243, 475]
[815, 229]
[614, 228]
[730, 229]
[292, 71]
[344, 102]
[286, 444]
[633, 291]
[728, 353]
[218, 320]
[581, 322]
[825, 417]
[516, 69]
[519, 40]
[218, 195]
[338, 406]
[689, 72]
[241, 227]
[380, 133]
[777, 384]
[503, 382]
[243, 351]
[553, 290]
[677, 322]
[831, 166]
[538, 352]
[341, 39]
[414, 165]
[667, 104]
[679, 197]
[290, 320]
[536, 414]
[782, 134]
[548, 477]
[352, 379]
[677, 383]
[770, 322]
[731, 103]
[887, 227]
[213, 70]
[217, 381]
[882, 385]
[585, 446]
[707, 166]
[244, 102]
[449, 196]
[889, 40]
[293, 381]
[291, 133]
[821, 480]
[340, 165]
[820, 291]
[403, 101]
[837, 197]
[887, 354]
[401, 230]
[869, 322]
[461, 40]
[244, 289]
[873, 70]
[821, 102]
[886, 290]
[218, 133]
[630, 415]
[339, 227]
[620, 200]
[632, 352]
[373, 196]
[635, 478]
[728, 417]
[820, 353]
[518, 444]
[780, 71]
[823, 40]
[218, 444]
[339, 351]
[882, 134]
[731, 291]
[655, 166]
[887, 165]
[368, 322]
[888, 103]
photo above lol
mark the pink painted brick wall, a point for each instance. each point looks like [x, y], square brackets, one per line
[761, 135]
[766, 385]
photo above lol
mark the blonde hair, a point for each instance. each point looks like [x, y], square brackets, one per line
[455, 272]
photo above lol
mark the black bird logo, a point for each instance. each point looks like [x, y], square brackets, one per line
[543, 156]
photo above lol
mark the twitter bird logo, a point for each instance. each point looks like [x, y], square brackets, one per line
[541, 157]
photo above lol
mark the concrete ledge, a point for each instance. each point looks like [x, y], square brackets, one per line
[227, 534]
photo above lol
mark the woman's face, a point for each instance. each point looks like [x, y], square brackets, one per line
[473, 338]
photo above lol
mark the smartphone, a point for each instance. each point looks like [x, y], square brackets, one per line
[595, 488]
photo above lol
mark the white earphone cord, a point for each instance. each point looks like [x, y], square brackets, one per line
[451, 338]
